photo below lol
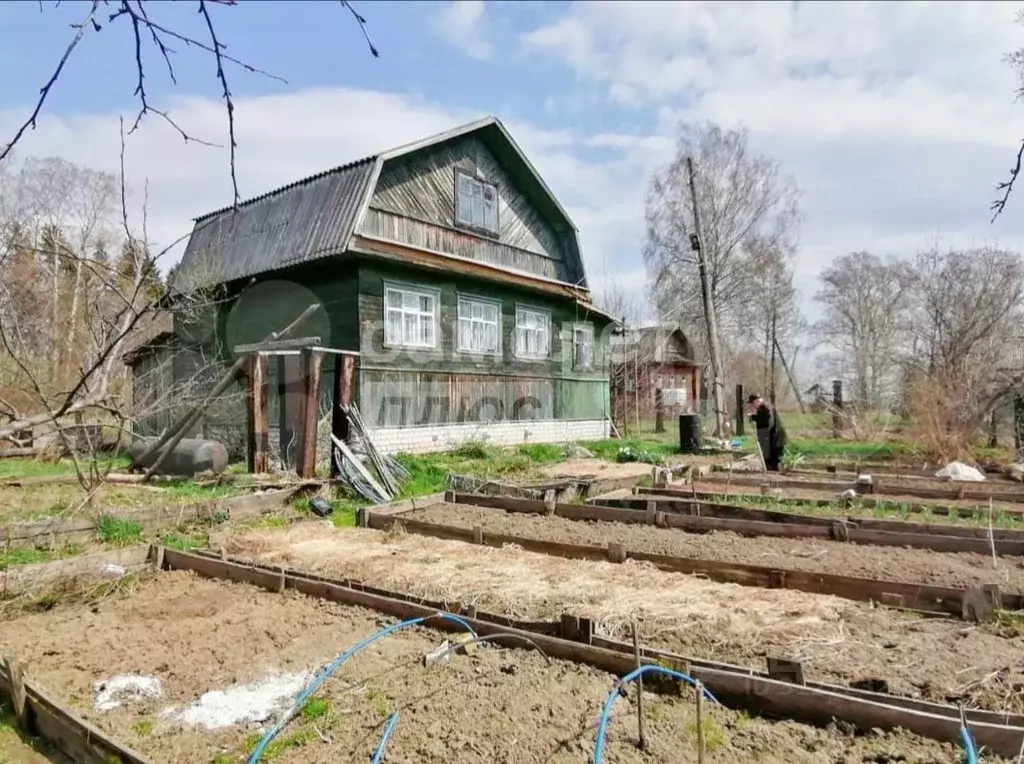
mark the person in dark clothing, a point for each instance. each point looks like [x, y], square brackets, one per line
[770, 432]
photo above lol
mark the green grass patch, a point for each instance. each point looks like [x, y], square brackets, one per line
[184, 542]
[26, 468]
[118, 531]
[609, 449]
[279, 745]
[316, 708]
[543, 453]
[189, 491]
[31, 555]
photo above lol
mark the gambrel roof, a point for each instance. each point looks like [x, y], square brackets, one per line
[316, 217]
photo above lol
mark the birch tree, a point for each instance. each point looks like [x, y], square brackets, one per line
[748, 205]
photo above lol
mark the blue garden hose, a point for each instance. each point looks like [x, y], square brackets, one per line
[606, 712]
[378, 755]
[968, 741]
[337, 663]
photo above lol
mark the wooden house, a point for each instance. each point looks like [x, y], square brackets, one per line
[445, 271]
[646, 359]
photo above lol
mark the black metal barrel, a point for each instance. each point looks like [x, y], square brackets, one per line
[689, 433]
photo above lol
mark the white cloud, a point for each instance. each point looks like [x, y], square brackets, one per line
[897, 119]
[463, 24]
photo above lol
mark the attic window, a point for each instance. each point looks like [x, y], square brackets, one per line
[476, 204]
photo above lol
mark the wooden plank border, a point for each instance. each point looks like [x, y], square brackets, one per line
[76, 738]
[738, 689]
[920, 597]
[958, 492]
[57, 532]
[694, 493]
[27, 578]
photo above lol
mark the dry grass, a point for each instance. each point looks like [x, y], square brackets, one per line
[534, 586]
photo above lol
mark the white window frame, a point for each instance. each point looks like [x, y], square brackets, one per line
[391, 287]
[523, 312]
[588, 329]
[466, 303]
[477, 193]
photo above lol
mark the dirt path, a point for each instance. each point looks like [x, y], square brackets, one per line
[195, 636]
[838, 640]
[817, 555]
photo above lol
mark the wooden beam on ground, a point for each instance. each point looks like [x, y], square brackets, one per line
[76, 738]
[60, 531]
[738, 688]
[312, 364]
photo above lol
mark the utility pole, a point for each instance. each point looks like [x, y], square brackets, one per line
[696, 243]
[775, 344]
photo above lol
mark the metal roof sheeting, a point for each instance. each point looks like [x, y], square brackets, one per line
[303, 221]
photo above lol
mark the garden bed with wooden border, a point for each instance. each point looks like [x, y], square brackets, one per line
[963, 602]
[470, 708]
[705, 516]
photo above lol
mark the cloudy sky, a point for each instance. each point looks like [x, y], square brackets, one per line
[897, 120]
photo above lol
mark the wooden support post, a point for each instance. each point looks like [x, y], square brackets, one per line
[1018, 420]
[837, 405]
[740, 419]
[659, 411]
[312, 363]
[258, 426]
[344, 395]
[639, 690]
[16, 673]
[158, 558]
[287, 374]
[700, 722]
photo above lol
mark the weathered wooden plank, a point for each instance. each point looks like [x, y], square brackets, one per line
[312, 365]
[61, 531]
[29, 577]
[76, 738]
[739, 689]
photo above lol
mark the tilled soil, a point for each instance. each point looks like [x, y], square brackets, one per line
[817, 555]
[491, 706]
[837, 640]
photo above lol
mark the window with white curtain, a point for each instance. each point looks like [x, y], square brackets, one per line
[410, 316]
[479, 325]
[533, 333]
[583, 346]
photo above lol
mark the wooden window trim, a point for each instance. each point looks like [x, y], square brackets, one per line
[520, 309]
[403, 287]
[479, 230]
[471, 298]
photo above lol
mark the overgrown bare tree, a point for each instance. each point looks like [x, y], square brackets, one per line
[966, 307]
[865, 301]
[150, 37]
[1005, 188]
